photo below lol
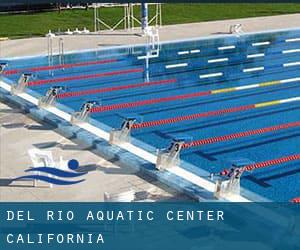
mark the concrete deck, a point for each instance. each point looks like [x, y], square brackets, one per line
[36, 46]
[18, 132]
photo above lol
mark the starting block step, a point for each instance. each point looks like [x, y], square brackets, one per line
[170, 156]
[122, 135]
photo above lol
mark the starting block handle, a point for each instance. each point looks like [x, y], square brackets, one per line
[84, 113]
[231, 184]
[169, 157]
[122, 135]
[22, 83]
[127, 123]
[3, 65]
[50, 97]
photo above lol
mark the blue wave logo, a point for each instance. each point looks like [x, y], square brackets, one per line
[62, 174]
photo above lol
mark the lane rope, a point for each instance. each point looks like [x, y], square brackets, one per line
[146, 102]
[65, 66]
[111, 89]
[269, 163]
[188, 96]
[160, 122]
[240, 135]
[80, 77]
[191, 117]
[263, 164]
[296, 200]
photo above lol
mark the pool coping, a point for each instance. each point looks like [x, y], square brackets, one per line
[208, 37]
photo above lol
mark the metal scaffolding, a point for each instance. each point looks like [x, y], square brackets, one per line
[129, 20]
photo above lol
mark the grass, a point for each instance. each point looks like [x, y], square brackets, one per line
[38, 24]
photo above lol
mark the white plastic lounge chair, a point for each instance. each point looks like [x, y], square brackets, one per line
[128, 196]
[42, 158]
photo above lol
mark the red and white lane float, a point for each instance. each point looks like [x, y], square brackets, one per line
[85, 76]
[296, 200]
[188, 96]
[230, 184]
[171, 157]
[56, 67]
[115, 88]
[134, 125]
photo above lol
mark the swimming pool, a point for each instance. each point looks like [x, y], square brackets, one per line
[232, 99]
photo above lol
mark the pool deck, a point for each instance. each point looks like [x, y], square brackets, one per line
[18, 133]
[106, 176]
[38, 45]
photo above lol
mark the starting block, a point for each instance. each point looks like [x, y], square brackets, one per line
[50, 97]
[170, 157]
[3, 65]
[236, 29]
[22, 84]
[122, 135]
[225, 188]
[84, 113]
[231, 185]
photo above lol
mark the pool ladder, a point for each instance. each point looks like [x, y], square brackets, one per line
[153, 41]
[153, 48]
[61, 53]
[50, 53]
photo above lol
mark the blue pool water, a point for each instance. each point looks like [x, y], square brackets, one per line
[237, 61]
